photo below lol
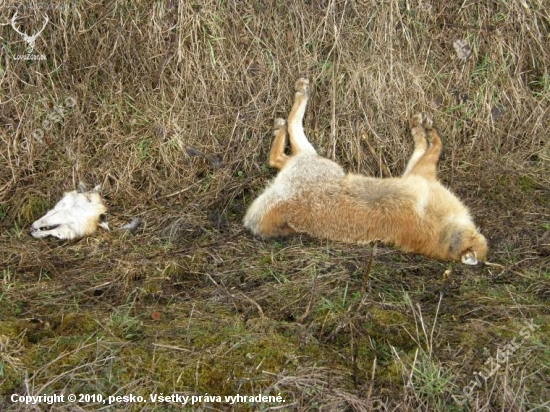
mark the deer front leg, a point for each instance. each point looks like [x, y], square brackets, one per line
[426, 165]
[277, 156]
[298, 139]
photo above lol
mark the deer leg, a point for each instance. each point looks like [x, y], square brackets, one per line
[277, 156]
[298, 139]
[426, 166]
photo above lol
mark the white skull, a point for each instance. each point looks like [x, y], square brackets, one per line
[76, 215]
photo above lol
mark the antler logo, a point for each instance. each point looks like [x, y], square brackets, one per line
[30, 40]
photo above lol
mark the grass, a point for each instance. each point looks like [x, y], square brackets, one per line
[174, 105]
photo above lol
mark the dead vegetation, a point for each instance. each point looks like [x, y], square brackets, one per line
[174, 106]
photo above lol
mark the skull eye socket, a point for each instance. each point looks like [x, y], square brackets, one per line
[46, 228]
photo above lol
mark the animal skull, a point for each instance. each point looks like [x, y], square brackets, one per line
[76, 215]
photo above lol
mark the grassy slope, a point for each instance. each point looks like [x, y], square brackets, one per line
[192, 304]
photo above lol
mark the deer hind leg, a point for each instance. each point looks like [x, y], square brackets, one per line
[298, 139]
[277, 156]
[273, 222]
[420, 144]
[424, 159]
[266, 216]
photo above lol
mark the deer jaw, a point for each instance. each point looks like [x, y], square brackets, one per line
[76, 215]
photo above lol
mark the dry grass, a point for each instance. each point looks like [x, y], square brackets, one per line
[174, 104]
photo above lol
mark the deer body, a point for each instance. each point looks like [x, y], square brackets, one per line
[314, 195]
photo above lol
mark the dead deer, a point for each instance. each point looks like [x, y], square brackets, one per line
[313, 195]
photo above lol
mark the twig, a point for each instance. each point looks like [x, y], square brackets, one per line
[372, 375]
[366, 274]
[310, 303]
[260, 310]
[160, 345]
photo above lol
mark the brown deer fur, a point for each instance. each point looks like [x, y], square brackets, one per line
[314, 195]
